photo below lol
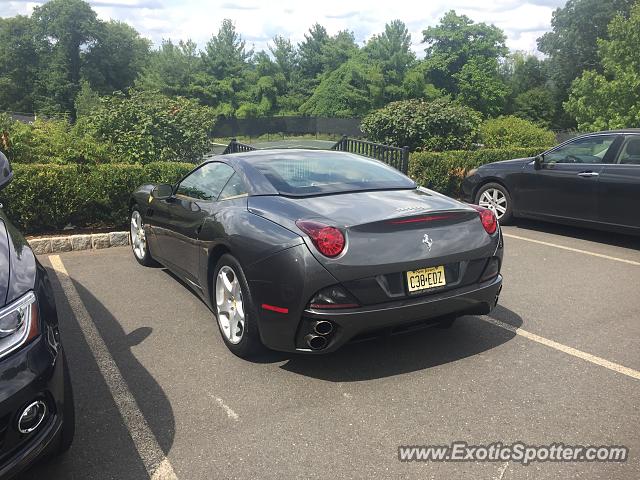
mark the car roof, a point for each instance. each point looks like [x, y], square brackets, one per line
[620, 131]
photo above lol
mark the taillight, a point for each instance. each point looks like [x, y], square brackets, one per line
[488, 219]
[328, 240]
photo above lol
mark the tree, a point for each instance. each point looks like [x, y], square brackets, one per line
[225, 54]
[285, 55]
[454, 42]
[19, 64]
[536, 105]
[609, 100]
[348, 91]
[480, 87]
[172, 69]
[462, 59]
[117, 58]
[522, 72]
[311, 51]
[572, 45]
[391, 50]
[66, 28]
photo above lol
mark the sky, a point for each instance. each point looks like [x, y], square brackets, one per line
[258, 21]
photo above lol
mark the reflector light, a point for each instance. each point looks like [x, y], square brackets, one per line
[273, 308]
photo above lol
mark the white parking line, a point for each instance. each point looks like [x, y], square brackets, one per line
[156, 463]
[577, 250]
[230, 413]
[629, 372]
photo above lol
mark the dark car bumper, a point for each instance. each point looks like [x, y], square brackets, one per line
[33, 373]
[469, 187]
[475, 299]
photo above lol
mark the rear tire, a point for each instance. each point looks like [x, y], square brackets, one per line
[138, 239]
[496, 198]
[234, 309]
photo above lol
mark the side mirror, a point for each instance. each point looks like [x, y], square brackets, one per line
[6, 174]
[162, 191]
[538, 161]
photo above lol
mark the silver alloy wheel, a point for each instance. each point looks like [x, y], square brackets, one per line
[494, 200]
[231, 315]
[138, 237]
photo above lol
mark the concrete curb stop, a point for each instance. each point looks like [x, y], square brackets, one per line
[46, 245]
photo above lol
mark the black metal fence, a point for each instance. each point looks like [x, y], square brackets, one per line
[237, 147]
[397, 157]
[255, 127]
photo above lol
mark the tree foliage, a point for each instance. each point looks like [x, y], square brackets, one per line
[57, 60]
[509, 131]
[572, 45]
[419, 125]
[462, 59]
[611, 99]
[148, 127]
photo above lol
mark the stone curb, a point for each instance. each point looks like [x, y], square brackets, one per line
[46, 245]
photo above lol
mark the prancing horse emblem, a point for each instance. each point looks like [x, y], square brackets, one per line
[427, 241]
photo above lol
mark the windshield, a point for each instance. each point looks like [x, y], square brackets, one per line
[314, 173]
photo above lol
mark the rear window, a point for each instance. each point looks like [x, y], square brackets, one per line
[314, 173]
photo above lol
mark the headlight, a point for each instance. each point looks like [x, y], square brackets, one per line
[471, 172]
[18, 323]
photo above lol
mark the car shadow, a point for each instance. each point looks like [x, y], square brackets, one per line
[579, 233]
[408, 352]
[102, 446]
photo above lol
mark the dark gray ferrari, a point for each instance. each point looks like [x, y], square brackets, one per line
[305, 250]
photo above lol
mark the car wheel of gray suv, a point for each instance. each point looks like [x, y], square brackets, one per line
[496, 198]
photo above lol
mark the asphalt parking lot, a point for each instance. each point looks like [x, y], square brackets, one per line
[557, 361]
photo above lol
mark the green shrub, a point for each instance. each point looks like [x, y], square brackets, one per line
[506, 132]
[48, 197]
[146, 127]
[437, 125]
[445, 171]
[52, 141]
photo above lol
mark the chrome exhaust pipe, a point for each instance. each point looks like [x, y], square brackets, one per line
[323, 327]
[315, 342]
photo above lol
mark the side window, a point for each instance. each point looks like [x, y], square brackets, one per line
[584, 150]
[630, 153]
[206, 182]
[234, 188]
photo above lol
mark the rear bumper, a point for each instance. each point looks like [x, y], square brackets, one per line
[473, 299]
[469, 187]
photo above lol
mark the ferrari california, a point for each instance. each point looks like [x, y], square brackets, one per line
[305, 250]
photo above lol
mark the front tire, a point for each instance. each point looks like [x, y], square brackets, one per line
[496, 198]
[234, 308]
[138, 240]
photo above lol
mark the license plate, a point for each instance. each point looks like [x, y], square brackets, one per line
[426, 278]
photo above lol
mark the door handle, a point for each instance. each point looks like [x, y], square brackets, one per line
[588, 174]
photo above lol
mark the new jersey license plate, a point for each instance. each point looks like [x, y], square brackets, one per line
[426, 278]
